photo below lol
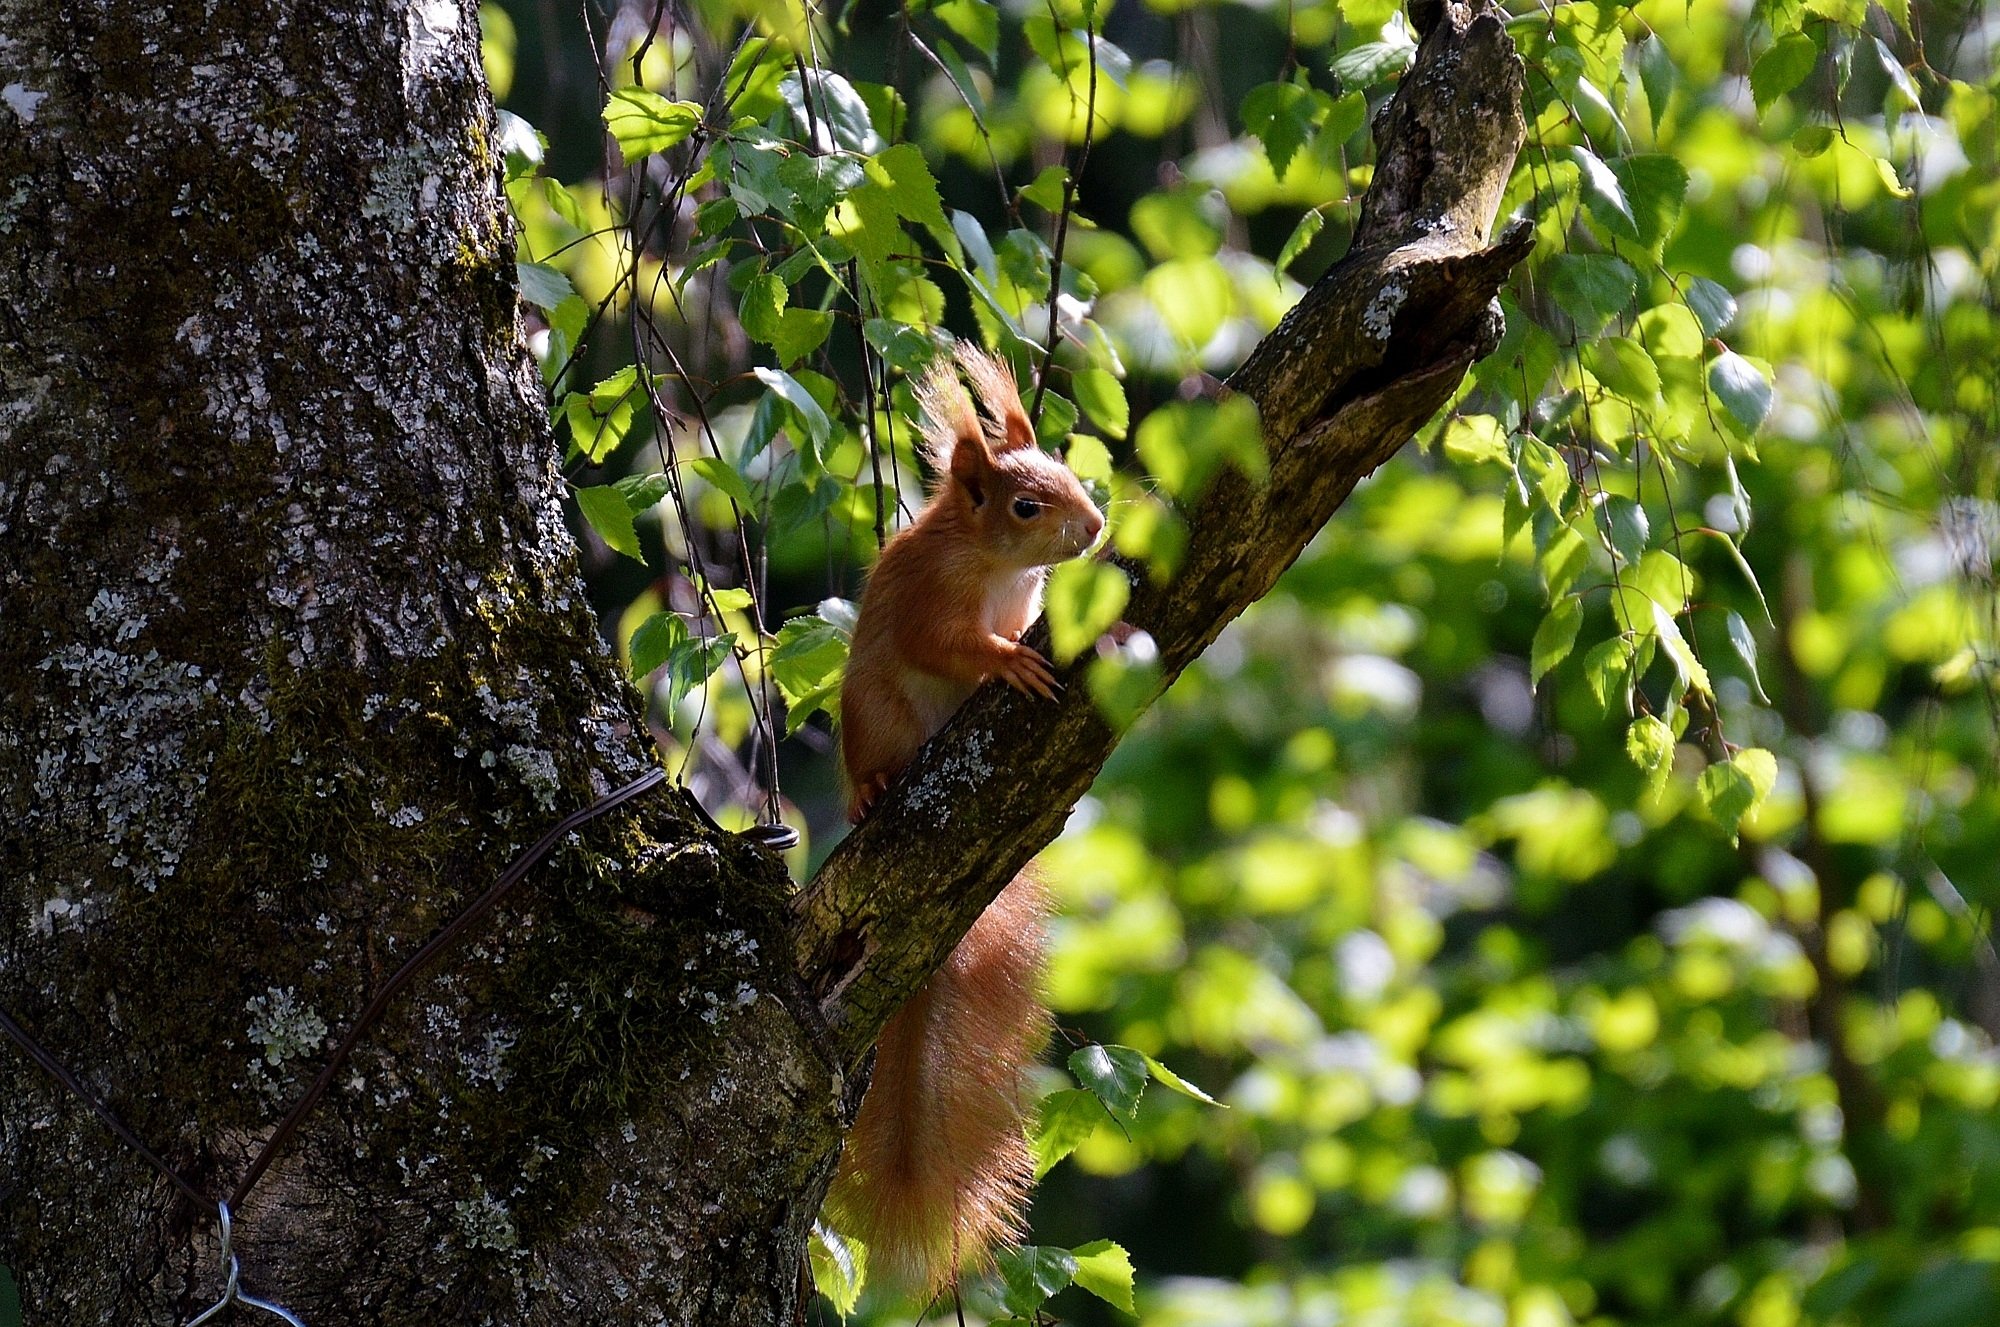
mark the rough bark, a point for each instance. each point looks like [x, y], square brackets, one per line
[295, 660]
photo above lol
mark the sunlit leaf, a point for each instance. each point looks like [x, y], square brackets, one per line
[1783, 67]
[645, 122]
[1105, 1270]
[839, 1267]
[1064, 1121]
[1555, 637]
[1741, 387]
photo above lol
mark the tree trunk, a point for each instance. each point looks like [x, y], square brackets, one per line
[296, 660]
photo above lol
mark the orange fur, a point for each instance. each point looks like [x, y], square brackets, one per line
[936, 1170]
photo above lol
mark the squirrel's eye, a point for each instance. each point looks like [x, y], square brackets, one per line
[1027, 509]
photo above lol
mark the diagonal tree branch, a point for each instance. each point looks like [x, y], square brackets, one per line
[1372, 351]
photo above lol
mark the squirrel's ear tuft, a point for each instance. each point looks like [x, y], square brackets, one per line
[951, 426]
[993, 379]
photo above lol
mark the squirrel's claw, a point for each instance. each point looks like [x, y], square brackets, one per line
[1028, 672]
[867, 789]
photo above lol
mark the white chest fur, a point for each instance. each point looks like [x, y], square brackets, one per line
[1013, 600]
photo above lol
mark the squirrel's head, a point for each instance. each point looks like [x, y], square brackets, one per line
[1029, 509]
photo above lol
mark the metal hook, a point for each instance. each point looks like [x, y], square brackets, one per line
[232, 1293]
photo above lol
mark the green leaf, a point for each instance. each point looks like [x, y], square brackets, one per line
[1032, 1273]
[1899, 78]
[1741, 387]
[974, 20]
[543, 286]
[1886, 170]
[1622, 364]
[1604, 195]
[799, 502]
[826, 106]
[692, 663]
[1712, 304]
[1083, 601]
[1743, 565]
[792, 333]
[1812, 139]
[1046, 190]
[1650, 744]
[1781, 68]
[1608, 670]
[1679, 651]
[611, 516]
[839, 1267]
[1300, 239]
[653, 640]
[1283, 117]
[1475, 438]
[906, 348]
[723, 476]
[1746, 650]
[1555, 637]
[807, 664]
[1656, 186]
[645, 122]
[811, 418]
[1175, 1082]
[1376, 61]
[1738, 786]
[1659, 76]
[1183, 443]
[1348, 113]
[1626, 524]
[1102, 397]
[1089, 460]
[600, 418]
[1591, 288]
[1116, 1074]
[904, 173]
[1105, 1270]
[1065, 1121]
[643, 492]
[1566, 558]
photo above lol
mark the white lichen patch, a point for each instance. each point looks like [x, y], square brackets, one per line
[536, 769]
[22, 100]
[488, 1062]
[1379, 318]
[281, 1025]
[117, 766]
[485, 1222]
[969, 766]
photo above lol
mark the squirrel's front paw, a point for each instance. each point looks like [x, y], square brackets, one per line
[1027, 671]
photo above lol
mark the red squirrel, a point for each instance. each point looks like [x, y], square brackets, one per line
[936, 1170]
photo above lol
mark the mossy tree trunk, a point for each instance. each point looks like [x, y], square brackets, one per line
[295, 659]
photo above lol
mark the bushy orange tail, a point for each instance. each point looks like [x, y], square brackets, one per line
[937, 1168]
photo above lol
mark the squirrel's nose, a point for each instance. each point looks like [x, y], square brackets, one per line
[1093, 526]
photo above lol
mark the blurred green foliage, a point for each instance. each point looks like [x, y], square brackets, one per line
[1576, 879]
